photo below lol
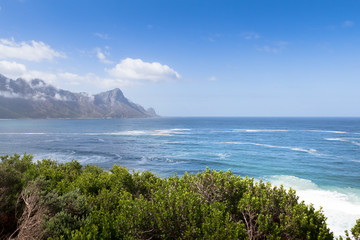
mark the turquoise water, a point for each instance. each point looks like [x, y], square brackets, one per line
[319, 157]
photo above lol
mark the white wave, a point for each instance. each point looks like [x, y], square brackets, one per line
[344, 140]
[327, 131]
[340, 205]
[284, 130]
[130, 133]
[174, 131]
[221, 155]
[22, 133]
[173, 142]
[162, 132]
[63, 158]
[143, 160]
[357, 161]
[310, 150]
[307, 150]
[156, 160]
[355, 143]
[335, 139]
[258, 130]
[173, 161]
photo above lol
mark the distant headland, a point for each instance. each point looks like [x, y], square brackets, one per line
[36, 99]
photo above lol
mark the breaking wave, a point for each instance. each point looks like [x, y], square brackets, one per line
[40, 133]
[162, 132]
[349, 140]
[307, 150]
[326, 131]
[258, 130]
[340, 205]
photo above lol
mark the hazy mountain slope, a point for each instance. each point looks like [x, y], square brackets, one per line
[36, 99]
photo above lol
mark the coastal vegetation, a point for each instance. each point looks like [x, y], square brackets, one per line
[51, 200]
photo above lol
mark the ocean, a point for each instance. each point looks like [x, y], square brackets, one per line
[318, 157]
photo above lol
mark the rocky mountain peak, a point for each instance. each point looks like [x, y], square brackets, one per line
[110, 97]
[117, 94]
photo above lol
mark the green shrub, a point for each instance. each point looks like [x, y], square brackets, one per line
[69, 201]
[14, 174]
[355, 232]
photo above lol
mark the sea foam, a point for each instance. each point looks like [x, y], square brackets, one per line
[30, 133]
[341, 206]
[258, 130]
[299, 149]
[349, 140]
[161, 132]
[327, 131]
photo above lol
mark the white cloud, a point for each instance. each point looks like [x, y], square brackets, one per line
[65, 80]
[136, 69]
[12, 69]
[75, 79]
[268, 49]
[90, 79]
[348, 24]
[30, 51]
[212, 79]
[250, 35]
[128, 73]
[79, 81]
[102, 36]
[50, 78]
[108, 83]
[214, 37]
[101, 56]
[276, 47]
[15, 70]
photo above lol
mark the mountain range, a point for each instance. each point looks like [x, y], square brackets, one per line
[35, 99]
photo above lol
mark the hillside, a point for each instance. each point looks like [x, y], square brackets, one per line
[36, 99]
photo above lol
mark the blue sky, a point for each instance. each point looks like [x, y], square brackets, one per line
[193, 58]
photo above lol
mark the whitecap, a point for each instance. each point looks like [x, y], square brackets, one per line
[23, 133]
[335, 139]
[173, 161]
[340, 205]
[355, 143]
[344, 140]
[311, 150]
[307, 150]
[143, 160]
[327, 131]
[357, 161]
[161, 132]
[62, 158]
[169, 132]
[258, 130]
[222, 155]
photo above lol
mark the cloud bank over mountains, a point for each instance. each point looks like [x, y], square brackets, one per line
[16, 56]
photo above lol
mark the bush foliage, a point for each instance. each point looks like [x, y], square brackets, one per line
[51, 200]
